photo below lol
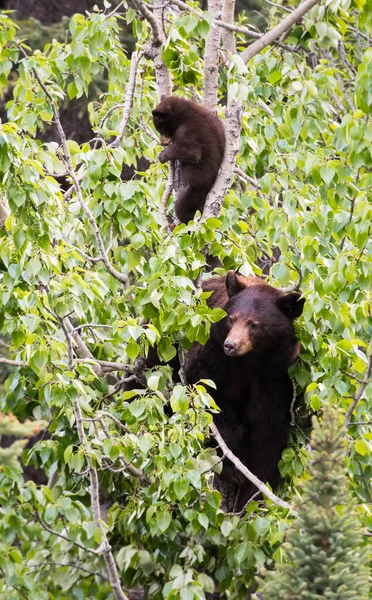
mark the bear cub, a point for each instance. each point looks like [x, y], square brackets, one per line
[247, 356]
[197, 142]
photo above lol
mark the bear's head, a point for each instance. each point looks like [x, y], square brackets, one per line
[259, 318]
[170, 113]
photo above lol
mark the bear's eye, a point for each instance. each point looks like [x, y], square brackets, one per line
[231, 320]
[253, 324]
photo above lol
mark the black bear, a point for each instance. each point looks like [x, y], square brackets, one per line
[197, 142]
[247, 356]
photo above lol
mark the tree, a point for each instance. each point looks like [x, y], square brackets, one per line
[325, 545]
[91, 278]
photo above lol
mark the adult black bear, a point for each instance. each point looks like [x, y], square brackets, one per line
[198, 142]
[247, 356]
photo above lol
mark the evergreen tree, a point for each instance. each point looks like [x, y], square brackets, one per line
[325, 557]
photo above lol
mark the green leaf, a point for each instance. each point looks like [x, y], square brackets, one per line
[38, 360]
[226, 528]
[327, 174]
[203, 520]
[163, 520]
[362, 447]
[181, 488]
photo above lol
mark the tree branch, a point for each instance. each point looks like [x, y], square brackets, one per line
[360, 391]
[210, 80]
[128, 99]
[228, 37]
[155, 49]
[60, 535]
[270, 37]
[157, 32]
[12, 363]
[248, 474]
[96, 510]
[166, 194]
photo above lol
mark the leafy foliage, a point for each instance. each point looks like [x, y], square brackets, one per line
[305, 207]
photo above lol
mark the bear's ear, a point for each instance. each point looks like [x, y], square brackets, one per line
[157, 113]
[234, 284]
[291, 305]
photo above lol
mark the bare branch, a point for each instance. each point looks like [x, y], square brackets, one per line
[128, 99]
[12, 363]
[155, 49]
[165, 198]
[112, 366]
[279, 6]
[4, 213]
[246, 177]
[265, 107]
[246, 472]
[93, 326]
[157, 33]
[215, 197]
[96, 510]
[293, 402]
[360, 390]
[228, 37]
[210, 80]
[104, 413]
[272, 35]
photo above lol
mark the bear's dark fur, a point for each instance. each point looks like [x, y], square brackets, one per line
[247, 356]
[197, 142]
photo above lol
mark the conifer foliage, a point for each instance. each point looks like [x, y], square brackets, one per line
[325, 558]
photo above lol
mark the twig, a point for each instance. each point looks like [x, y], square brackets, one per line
[269, 37]
[265, 107]
[246, 177]
[128, 99]
[360, 391]
[246, 472]
[165, 197]
[13, 363]
[279, 6]
[328, 55]
[60, 535]
[291, 409]
[182, 359]
[92, 325]
[103, 121]
[127, 466]
[113, 366]
[104, 413]
[69, 565]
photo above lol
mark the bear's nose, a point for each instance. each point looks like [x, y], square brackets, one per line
[229, 347]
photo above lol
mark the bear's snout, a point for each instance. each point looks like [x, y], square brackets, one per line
[229, 347]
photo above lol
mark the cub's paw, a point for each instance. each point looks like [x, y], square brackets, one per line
[163, 156]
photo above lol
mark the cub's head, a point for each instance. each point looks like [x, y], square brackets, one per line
[259, 317]
[169, 114]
